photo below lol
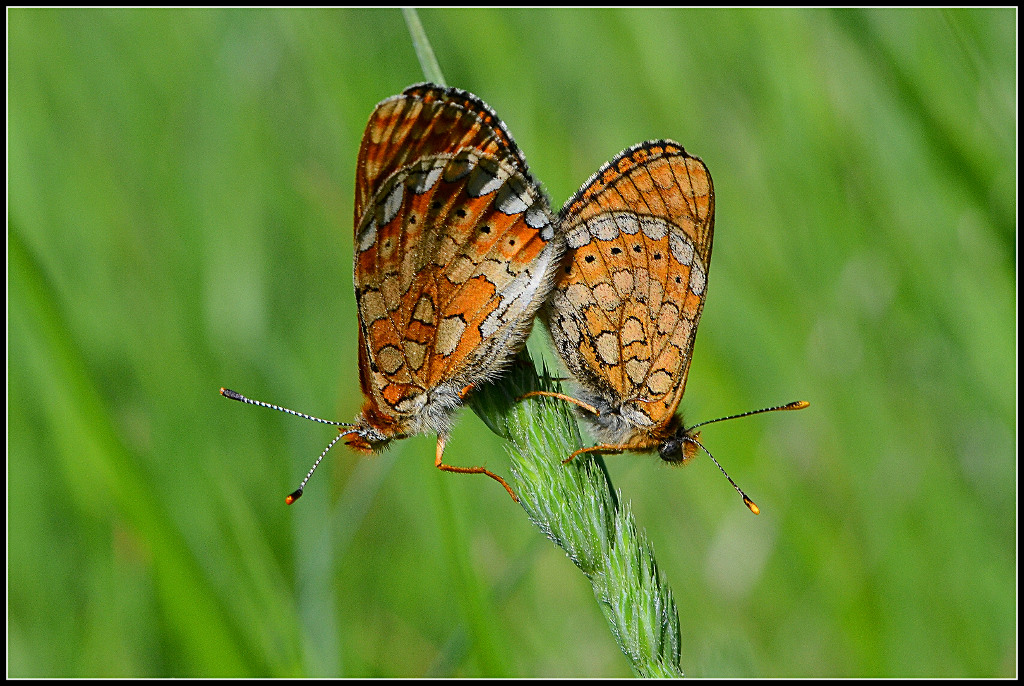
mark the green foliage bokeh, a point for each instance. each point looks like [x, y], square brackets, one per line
[180, 217]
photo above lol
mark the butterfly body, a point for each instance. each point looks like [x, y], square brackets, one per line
[455, 251]
[624, 311]
[626, 427]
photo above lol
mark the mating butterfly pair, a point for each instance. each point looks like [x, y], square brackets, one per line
[456, 251]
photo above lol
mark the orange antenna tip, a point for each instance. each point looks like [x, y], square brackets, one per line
[798, 405]
[752, 505]
[295, 495]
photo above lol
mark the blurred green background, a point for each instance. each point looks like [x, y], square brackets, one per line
[180, 218]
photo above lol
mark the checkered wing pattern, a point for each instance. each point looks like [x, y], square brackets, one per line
[455, 250]
[625, 308]
[423, 121]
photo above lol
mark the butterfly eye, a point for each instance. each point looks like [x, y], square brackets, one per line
[671, 450]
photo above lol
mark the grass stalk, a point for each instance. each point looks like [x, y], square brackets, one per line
[575, 505]
[424, 52]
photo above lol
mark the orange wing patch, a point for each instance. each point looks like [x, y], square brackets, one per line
[455, 251]
[426, 120]
[625, 308]
[450, 263]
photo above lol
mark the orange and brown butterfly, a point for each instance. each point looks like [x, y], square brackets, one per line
[623, 314]
[455, 251]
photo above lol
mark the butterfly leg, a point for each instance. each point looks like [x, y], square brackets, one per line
[567, 398]
[599, 448]
[441, 440]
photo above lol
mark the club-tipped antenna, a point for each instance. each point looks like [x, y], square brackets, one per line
[796, 405]
[746, 501]
[234, 395]
[297, 493]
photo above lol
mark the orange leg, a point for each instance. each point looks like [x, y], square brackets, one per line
[441, 440]
[567, 398]
[599, 448]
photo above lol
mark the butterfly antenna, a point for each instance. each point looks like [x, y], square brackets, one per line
[228, 393]
[746, 501]
[297, 493]
[798, 405]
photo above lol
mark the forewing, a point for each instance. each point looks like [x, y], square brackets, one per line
[625, 309]
[423, 121]
[455, 254]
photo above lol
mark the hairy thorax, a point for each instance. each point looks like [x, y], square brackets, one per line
[420, 412]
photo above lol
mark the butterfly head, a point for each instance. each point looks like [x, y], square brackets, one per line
[680, 447]
[371, 432]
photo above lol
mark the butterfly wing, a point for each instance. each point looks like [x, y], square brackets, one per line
[426, 120]
[624, 311]
[454, 256]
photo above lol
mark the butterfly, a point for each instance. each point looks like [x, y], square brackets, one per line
[456, 249]
[624, 311]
